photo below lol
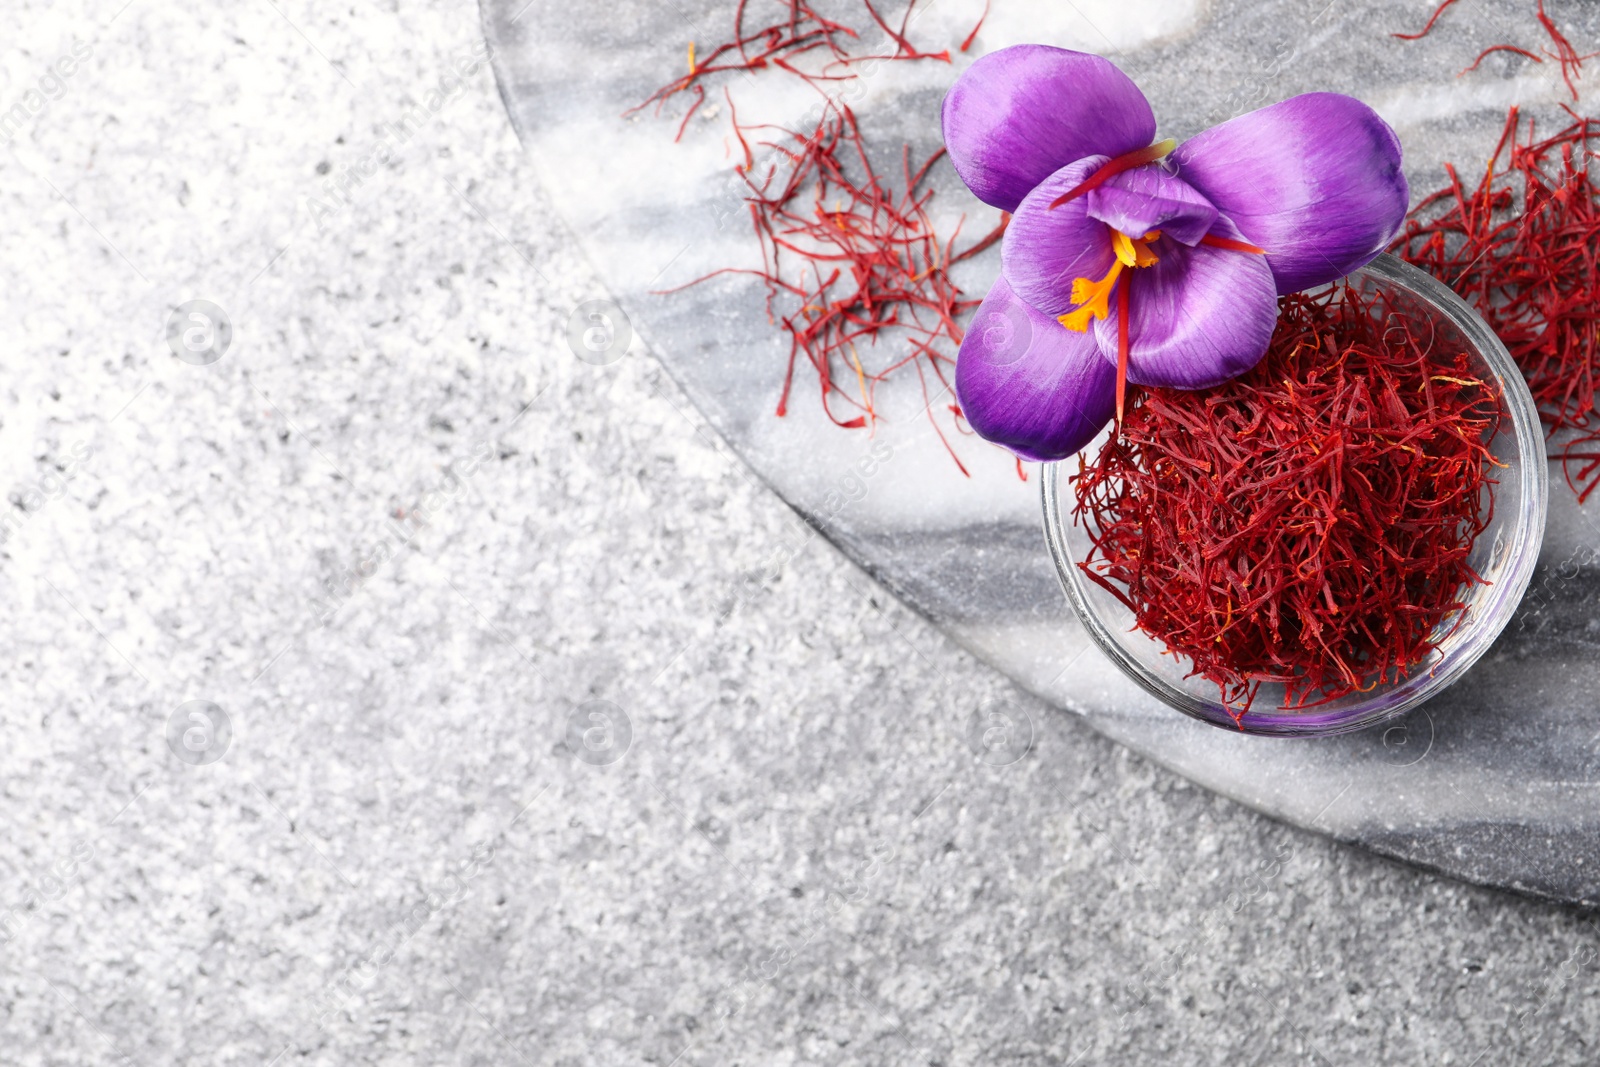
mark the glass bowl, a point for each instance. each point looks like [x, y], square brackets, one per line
[1505, 553]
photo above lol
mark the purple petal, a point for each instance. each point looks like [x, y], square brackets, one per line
[1148, 198]
[1315, 180]
[1018, 115]
[1027, 382]
[1197, 318]
[1044, 250]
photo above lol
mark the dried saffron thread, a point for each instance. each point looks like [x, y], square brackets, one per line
[1521, 248]
[1492, 49]
[1428, 28]
[1122, 345]
[1110, 169]
[1561, 49]
[1231, 245]
[973, 36]
[1308, 523]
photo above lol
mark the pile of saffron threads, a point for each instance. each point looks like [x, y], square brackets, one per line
[1560, 48]
[1309, 522]
[847, 261]
[1521, 248]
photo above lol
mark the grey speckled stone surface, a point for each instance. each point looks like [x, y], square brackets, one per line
[396, 859]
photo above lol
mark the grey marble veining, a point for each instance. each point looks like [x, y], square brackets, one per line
[1494, 782]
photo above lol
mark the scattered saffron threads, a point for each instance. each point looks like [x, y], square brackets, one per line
[847, 261]
[1571, 62]
[1561, 49]
[904, 49]
[1308, 523]
[798, 31]
[1522, 249]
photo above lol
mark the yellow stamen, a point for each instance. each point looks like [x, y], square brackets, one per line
[1123, 247]
[1134, 252]
[1094, 297]
[691, 57]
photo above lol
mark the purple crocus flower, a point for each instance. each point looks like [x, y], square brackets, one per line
[1166, 260]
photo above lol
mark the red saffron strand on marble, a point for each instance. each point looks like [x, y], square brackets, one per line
[973, 36]
[1521, 248]
[699, 98]
[1428, 28]
[1308, 523]
[1498, 48]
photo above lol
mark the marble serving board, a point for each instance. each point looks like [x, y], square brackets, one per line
[1495, 782]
